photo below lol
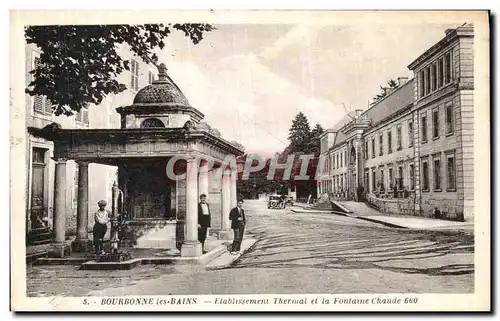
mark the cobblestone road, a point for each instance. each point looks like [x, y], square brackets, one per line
[297, 253]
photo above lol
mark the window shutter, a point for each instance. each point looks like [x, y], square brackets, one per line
[38, 104]
[47, 107]
[85, 115]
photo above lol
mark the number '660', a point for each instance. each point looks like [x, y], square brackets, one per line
[411, 300]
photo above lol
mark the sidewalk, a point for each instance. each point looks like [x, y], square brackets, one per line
[364, 212]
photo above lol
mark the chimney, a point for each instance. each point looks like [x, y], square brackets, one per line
[358, 112]
[402, 81]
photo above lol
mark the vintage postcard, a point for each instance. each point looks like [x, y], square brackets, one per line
[250, 161]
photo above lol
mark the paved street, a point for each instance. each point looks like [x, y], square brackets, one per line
[296, 253]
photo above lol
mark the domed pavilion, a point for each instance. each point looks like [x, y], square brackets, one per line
[159, 127]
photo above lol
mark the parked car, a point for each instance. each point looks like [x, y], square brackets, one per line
[279, 201]
[275, 201]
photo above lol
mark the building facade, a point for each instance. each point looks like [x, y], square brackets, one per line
[411, 152]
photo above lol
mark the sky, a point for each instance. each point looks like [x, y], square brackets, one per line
[251, 80]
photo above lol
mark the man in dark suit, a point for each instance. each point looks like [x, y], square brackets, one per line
[238, 222]
[204, 219]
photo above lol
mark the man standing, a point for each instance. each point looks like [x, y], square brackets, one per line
[204, 219]
[238, 221]
[101, 218]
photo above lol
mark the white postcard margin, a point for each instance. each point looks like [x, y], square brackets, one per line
[477, 301]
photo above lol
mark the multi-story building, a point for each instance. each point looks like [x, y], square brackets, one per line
[41, 166]
[411, 152]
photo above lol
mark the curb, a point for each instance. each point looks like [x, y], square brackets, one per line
[201, 260]
[233, 258]
[310, 211]
[379, 222]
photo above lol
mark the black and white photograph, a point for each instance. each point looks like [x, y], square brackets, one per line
[250, 161]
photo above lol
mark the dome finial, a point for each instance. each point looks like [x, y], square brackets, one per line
[162, 72]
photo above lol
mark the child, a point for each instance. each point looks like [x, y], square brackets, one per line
[100, 227]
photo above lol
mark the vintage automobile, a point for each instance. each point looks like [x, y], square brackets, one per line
[275, 201]
[279, 201]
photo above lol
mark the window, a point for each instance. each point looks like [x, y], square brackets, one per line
[424, 129]
[389, 141]
[447, 68]
[381, 144]
[410, 134]
[342, 181]
[152, 123]
[437, 172]
[41, 105]
[134, 75]
[440, 72]
[421, 79]
[374, 179]
[382, 179]
[337, 161]
[342, 160]
[83, 116]
[39, 156]
[412, 177]
[37, 208]
[449, 119]
[399, 137]
[151, 77]
[433, 77]
[427, 80]
[373, 147]
[451, 171]
[435, 123]
[365, 149]
[400, 177]
[425, 175]
[391, 182]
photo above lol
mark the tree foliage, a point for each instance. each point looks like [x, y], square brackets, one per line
[299, 134]
[383, 90]
[79, 65]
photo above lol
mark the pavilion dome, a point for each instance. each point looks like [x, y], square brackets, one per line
[161, 92]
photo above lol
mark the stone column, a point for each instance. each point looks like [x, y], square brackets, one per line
[191, 247]
[203, 178]
[82, 242]
[234, 195]
[59, 223]
[225, 231]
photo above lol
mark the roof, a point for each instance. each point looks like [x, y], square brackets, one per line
[161, 91]
[398, 99]
[390, 104]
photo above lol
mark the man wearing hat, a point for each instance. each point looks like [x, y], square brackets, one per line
[101, 218]
[204, 218]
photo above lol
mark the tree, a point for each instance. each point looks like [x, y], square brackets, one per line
[391, 83]
[79, 65]
[315, 143]
[300, 134]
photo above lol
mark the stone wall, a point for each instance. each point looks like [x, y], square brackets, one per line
[402, 206]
